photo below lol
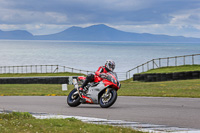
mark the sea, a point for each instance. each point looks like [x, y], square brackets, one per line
[88, 55]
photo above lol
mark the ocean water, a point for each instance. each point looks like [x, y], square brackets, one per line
[89, 55]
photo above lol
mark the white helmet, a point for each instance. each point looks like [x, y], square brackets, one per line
[110, 65]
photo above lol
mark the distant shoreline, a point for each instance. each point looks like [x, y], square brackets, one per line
[94, 41]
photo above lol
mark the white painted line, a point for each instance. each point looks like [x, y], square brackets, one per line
[134, 125]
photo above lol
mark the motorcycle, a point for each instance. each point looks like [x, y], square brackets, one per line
[101, 91]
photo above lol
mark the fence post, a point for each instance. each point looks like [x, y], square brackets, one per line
[167, 61]
[192, 59]
[142, 67]
[36, 68]
[153, 63]
[184, 60]
[46, 68]
[176, 61]
[159, 63]
[41, 68]
[137, 70]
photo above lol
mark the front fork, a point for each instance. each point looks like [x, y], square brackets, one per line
[75, 83]
[107, 91]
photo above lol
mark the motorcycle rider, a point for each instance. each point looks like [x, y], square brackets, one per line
[101, 72]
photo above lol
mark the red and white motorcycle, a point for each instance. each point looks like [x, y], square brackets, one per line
[103, 92]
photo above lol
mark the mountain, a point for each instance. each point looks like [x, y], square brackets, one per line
[99, 32]
[102, 32]
[16, 34]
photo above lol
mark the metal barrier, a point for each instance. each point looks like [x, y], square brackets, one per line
[152, 64]
[48, 69]
[39, 69]
[165, 62]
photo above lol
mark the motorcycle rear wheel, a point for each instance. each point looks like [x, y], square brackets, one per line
[105, 103]
[73, 100]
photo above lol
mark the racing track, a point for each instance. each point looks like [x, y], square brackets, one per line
[178, 112]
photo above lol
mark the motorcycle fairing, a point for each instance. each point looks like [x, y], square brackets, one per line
[94, 91]
[112, 81]
[88, 100]
[99, 85]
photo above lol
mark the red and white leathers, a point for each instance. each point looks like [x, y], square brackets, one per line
[101, 70]
[95, 78]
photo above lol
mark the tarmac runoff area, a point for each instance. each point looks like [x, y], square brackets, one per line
[134, 125]
[158, 114]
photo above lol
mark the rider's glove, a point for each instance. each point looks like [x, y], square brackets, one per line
[103, 75]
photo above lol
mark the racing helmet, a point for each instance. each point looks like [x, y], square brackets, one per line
[110, 65]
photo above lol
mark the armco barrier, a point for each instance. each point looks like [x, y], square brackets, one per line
[166, 76]
[37, 80]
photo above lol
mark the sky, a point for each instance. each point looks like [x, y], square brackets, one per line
[39, 17]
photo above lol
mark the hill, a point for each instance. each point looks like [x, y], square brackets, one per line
[16, 34]
[99, 32]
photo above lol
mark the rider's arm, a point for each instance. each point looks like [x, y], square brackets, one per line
[100, 70]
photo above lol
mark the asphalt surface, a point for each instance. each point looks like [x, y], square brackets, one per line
[177, 112]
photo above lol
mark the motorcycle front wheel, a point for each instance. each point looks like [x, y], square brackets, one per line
[108, 100]
[73, 98]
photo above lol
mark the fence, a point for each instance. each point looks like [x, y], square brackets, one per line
[40, 69]
[165, 62]
[48, 69]
[152, 64]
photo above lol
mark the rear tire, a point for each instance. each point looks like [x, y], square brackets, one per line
[105, 103]
[73, 100]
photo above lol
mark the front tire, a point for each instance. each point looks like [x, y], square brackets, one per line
[73, 99]
[108, 101]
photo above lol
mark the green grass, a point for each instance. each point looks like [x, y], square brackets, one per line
[172, 69]
[179, 88]
[33, 90]
[41, 74]
[25, 123]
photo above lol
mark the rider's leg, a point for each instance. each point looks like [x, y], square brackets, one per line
[89, 78]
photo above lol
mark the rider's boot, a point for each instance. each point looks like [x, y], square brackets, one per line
[82, 88]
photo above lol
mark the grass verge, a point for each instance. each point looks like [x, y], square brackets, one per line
[179, 88]
[33, 90]
[25, 122]
[172, 69]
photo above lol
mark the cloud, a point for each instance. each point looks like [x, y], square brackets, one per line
[151, 16]
[82, 11]
[27, 17]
